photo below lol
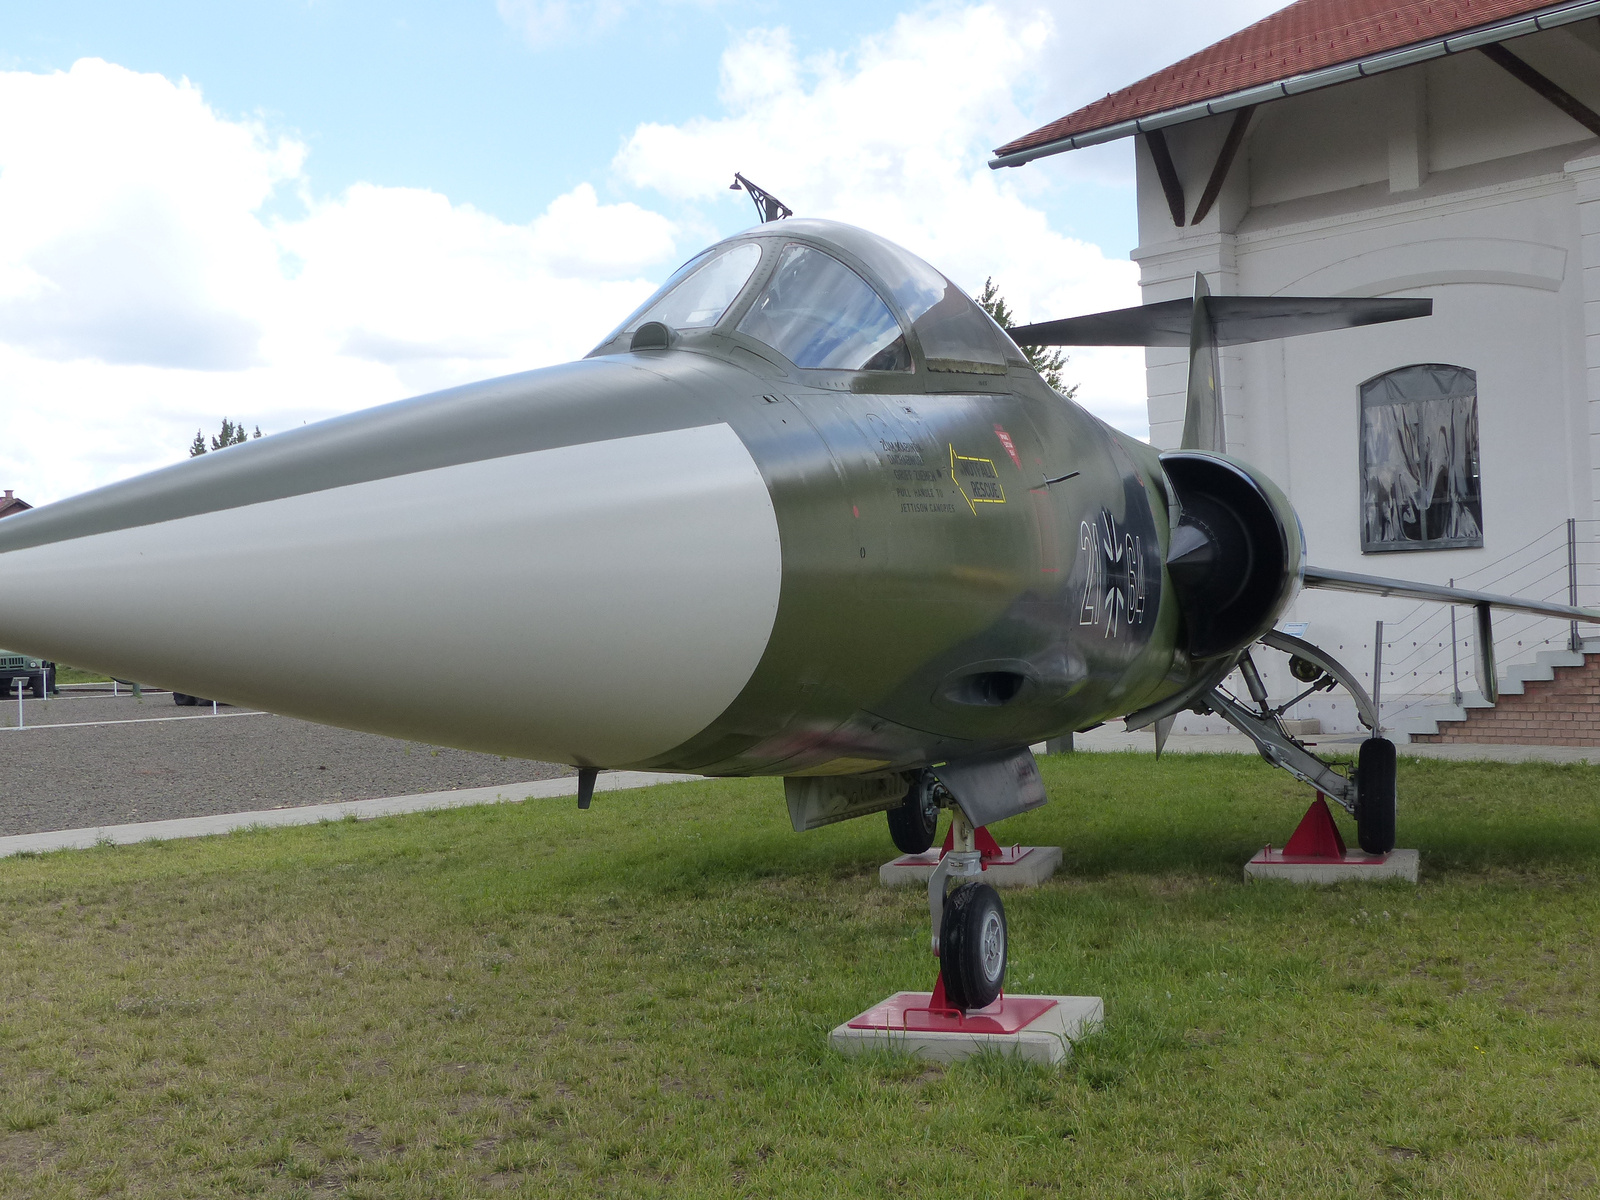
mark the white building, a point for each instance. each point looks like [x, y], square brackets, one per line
[1383, 148]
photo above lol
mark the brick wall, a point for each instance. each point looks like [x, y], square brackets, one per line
[1564, 711]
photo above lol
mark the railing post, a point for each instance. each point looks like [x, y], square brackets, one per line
[1377, 678]
[1576, 642]
[1455, 669]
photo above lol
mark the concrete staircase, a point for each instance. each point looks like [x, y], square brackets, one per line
[1552, 701]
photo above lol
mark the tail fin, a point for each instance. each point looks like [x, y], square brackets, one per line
[1202, 412]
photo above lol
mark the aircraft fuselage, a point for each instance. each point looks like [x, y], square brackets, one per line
[669, 559]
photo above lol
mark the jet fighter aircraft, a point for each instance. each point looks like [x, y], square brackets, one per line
[807, 512]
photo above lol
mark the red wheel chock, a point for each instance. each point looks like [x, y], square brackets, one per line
[1316, 837]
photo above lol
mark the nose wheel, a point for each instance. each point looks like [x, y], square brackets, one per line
[972, 946]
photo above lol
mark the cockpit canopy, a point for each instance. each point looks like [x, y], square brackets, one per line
[827, 296]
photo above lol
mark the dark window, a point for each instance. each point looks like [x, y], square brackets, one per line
[817, 312]
[1420, 488]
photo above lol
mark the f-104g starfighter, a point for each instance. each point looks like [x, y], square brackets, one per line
[807, 513]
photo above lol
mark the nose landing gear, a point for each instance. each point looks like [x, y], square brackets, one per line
[968, 1011]
[969, 926]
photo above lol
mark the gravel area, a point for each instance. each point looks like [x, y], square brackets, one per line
[96, 768]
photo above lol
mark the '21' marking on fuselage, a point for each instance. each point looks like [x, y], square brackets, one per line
[1113, 592]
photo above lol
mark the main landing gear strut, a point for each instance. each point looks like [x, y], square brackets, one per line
[1367, 792]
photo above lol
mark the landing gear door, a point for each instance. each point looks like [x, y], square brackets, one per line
[992, 787]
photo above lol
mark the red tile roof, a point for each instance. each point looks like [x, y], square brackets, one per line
[1306, 36]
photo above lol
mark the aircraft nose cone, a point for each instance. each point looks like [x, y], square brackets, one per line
[598, 602]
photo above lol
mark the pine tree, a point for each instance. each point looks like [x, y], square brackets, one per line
[1047, 360]
[229, 435]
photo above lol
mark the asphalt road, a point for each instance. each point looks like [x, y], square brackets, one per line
[87, 759]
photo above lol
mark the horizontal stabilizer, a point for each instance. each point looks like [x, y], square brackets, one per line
[1373, 585]
[1236, 319]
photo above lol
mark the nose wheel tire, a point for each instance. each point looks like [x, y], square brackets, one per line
[1375, 796]
[972, 946]
[915, 820]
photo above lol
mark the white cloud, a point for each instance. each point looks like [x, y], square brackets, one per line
[894, 138]
[130, 247]
[144, 292]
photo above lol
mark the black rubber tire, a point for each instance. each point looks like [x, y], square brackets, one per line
[972, 946]
[36, 686]
[914, 822]
[1375, 796]
[183, 699]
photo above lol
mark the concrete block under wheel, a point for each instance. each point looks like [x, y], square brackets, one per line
[1018, 866]
[1275, 864]
[901, 1024]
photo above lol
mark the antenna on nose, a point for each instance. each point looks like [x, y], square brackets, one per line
[767, 205]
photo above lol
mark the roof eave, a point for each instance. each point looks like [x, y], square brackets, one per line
[1389, 60]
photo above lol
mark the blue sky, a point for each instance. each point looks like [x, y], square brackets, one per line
[278, 210]
[456, 98]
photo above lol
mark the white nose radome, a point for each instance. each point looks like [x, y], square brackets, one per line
[597, 603]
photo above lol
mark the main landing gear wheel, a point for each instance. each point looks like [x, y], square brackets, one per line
[915, 820]
[972, 946]
[1375, 796]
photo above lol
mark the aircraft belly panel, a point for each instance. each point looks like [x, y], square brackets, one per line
[615, 595]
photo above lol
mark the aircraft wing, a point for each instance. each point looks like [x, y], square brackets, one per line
[1482, 604]
[1376, 585]
[1236, 320]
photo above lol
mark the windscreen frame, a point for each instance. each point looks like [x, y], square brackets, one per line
[778, 246]
[756, 277]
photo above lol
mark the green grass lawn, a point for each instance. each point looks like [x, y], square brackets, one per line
[529, 1000]
[79, 675]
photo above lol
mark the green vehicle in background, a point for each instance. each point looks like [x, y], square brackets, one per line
[38, 672]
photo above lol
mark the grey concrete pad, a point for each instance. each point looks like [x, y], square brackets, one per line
[1397, 864]
[311, 814]
[1048, 1039]
[1033, 867]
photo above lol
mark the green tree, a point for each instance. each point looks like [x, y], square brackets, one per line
[229, 435]
[1047, 360]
